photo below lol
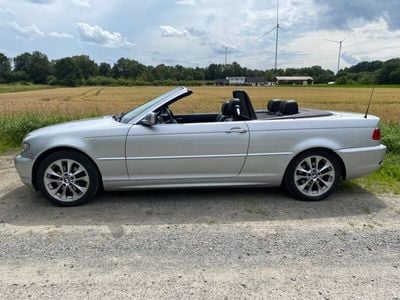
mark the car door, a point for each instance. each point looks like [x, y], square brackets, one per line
[186, 152]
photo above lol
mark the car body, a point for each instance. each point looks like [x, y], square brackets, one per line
[150, 148]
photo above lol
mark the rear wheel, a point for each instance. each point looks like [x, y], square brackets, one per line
[313, 175]
[67, 178]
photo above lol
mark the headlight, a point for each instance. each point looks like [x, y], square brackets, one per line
[25, 147]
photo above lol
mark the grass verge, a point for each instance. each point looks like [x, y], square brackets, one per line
[385, 180]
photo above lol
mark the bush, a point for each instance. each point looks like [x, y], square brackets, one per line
[391, 137]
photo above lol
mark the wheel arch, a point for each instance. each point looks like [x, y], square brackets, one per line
[46, 153]
[330, 151]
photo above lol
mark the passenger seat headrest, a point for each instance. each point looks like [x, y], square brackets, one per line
[274, 105]
[235, 107]
[289, 107]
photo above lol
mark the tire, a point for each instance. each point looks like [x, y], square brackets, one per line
[312, 175]
[68, 178]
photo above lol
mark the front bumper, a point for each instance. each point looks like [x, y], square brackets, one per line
[362, 161]
[24, 168]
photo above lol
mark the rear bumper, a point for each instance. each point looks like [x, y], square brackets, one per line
[362, 161]
[24, 169]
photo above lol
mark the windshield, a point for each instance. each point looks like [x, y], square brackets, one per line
[141, 108]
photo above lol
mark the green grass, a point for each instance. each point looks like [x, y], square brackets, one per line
[13, 129]
[18, 87]
[385, 180]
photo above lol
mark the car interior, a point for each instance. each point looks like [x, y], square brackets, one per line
[239, 108]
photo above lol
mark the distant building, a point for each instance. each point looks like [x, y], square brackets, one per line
[238, 80]
[221, 82]
[303, 80]
[255, 81]
[242, 80]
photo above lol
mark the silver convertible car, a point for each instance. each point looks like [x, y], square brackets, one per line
[307, 151]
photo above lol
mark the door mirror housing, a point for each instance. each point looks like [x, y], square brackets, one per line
[150, 119]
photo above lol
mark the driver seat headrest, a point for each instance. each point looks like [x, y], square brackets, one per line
[289, 107]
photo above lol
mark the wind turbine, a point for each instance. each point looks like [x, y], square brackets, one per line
[340, 50]
[277, 27]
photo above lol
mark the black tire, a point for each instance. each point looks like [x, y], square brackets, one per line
[312, 185]
[78, 189]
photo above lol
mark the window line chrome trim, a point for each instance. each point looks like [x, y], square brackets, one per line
[185, 156]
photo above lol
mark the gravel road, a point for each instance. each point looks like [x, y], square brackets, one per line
[213, 244]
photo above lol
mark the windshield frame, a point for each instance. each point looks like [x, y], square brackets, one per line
[140, 111]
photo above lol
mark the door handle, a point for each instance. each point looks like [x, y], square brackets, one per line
[236, 130]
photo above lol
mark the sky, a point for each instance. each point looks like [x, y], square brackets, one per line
[195, 32]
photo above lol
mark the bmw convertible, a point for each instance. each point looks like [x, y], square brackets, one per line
[307, 151]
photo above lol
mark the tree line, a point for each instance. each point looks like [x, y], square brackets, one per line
[77, 70]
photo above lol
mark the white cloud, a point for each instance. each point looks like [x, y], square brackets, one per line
[39, 1]
[26, 31]
[169, 31]
[32, 31]
[97, 35]
[186, 2]
[62, 35]
[82, 3]
[7, 11]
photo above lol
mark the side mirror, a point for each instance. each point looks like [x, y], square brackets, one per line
[150, 119]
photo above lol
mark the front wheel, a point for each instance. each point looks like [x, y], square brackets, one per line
[67, 178]
[313, 175]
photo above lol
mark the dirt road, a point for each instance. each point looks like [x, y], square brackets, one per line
[223, 244]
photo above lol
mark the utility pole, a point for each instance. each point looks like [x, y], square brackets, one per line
[226, 56]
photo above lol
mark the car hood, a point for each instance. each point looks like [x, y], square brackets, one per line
[88, 125]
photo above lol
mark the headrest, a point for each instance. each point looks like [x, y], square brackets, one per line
[235, 107]
[274, 105]
[289, 107]
[225, 109]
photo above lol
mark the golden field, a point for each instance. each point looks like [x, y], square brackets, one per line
[84, 101]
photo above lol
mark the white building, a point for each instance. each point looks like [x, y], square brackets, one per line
[236, 80]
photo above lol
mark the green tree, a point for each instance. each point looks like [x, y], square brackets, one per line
[104, 69]
[5, 68]
[128, 68]
[213, 72]
[87, 67]
[387, 75]
[67, 72]
[36, 66]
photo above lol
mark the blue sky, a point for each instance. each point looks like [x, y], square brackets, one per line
[195, 32]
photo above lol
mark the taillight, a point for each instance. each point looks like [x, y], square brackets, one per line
[376, 135]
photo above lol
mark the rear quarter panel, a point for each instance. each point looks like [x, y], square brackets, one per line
[274, 143]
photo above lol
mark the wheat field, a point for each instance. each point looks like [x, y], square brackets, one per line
[88, 101]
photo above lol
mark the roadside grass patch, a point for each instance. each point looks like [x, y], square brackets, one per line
[14, 128]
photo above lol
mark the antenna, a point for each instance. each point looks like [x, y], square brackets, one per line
[340, 50]
[369, 103]
[277, 27]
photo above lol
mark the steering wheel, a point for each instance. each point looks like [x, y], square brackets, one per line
[170, 115]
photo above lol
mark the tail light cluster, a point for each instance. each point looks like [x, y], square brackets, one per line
[376, 134]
